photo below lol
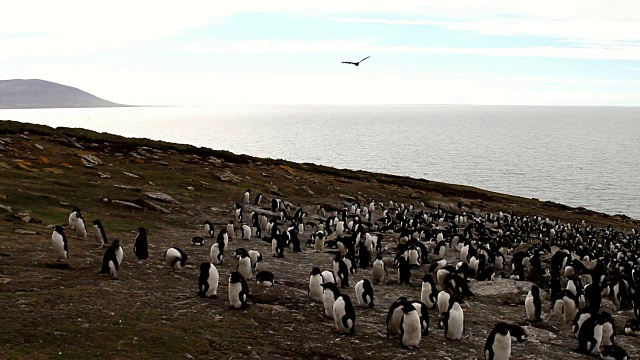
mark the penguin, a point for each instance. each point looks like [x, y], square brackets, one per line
[197, 240]
[244, 265]
[498, 344]
[410, 327]
[423, 312]
[140, 245]
[443, 301]
[78, 225]
[378, 272]
[533, 305]
[277, 246]
[330, 293]
[208, 280]
[428, 294]
[216, 253]
[246, 196]
[613, 352]
[364, 256]
[72, 217]
[100, 234]
[256, 257]
[590, 336]
[404, 271]
[208, 229]
[231, 230]
[453, 321]
[344, 314]
[440, 248]
[246, 232]
[364, 293]
[223, 238]
[238, 213]
[327, 277]
[395, 315]
[238, 291]
[570, 302]
[315, 285]
[608, 329]
[632, 327]
[580, 318]
[265, 279]
[257, 200]
[59, 243]
[341, 271]
[110, 261]
[518, 333]
[175, 258]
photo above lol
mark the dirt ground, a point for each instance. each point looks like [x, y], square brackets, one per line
[148, 311]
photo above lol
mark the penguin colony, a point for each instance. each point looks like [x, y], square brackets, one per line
[564, 287]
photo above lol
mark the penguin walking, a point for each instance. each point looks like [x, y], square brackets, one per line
[344, 314]
[78, 224]
[238, 291]
[428, 293]
[364, 293]
[110, 260]
[423, 312]
[59, 243]
[208, 280]
[395, 315]
[330, 293]
[175, 258]
[99, 233]
[379, 271]
[453, 321]
[72, 217]
[208, 229]
[533, 305]
[498, 344]
[141, 245]
[410, 329]
[265, 279]
[315, 285]
[244, 265]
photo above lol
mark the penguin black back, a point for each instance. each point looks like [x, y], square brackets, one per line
[141, 245]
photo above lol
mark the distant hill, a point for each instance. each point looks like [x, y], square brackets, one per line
[35, 94]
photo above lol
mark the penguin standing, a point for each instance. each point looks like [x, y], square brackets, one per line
[344, 315]
[208, 229]
[238, 213]
[265, 279]
[175, 258]
[423, 312]
[246, 232]
[364, 293]
[244, 265]
[100, 234]
[78, 225]
[216, 253]
[246, 197]
[395, 315]
[256, 257]
[59, 243]
[608, 329]
[404, 271]
[443, 301]
[238, 291]
[533, 305]
[110, 261]
[498, 345]
[140, 245]
[453, 320]
[570, 302]
[428, 293]
[277, 246]
[315, 285]
[72, 217]
[590, 336]
[257, 200]
[410, 329]
[231, 230]
[378, 272]
[330, 293]
[327, 277]
[341, 271]
[208, 280]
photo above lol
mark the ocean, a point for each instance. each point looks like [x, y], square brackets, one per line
[579, 156]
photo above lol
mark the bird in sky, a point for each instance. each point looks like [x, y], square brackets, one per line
[356, 63]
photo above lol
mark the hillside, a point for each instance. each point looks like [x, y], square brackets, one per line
[69, 310]
[34, 94]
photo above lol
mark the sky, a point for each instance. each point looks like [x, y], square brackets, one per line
[568, 52]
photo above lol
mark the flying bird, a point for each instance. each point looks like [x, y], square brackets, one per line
[356, 63]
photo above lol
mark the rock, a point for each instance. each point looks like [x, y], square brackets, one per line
[130, 188]
[104, 176]
[88, 158]
[276, 192]
[190, 188]
[53, 171]
[39, 146]
[4, 165]
[4, 280]
[25, 232]
[66, 165]
[163, 163]
[87, 163]
[24, 216]
[57, 265]
[131, 174]
[42, 161]
[266, 175]
[3, 197]
[191, 159]
[501, 287]
[160, 197]
[214, 160]
[138, 161]
[308, 190]
[347, 198]
[127, 204]
[539, 335]
[227, 176]
[288, 169]
[152, 206]
[24, 165]
[2, 148]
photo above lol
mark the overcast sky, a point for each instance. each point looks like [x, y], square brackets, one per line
[581, 52]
